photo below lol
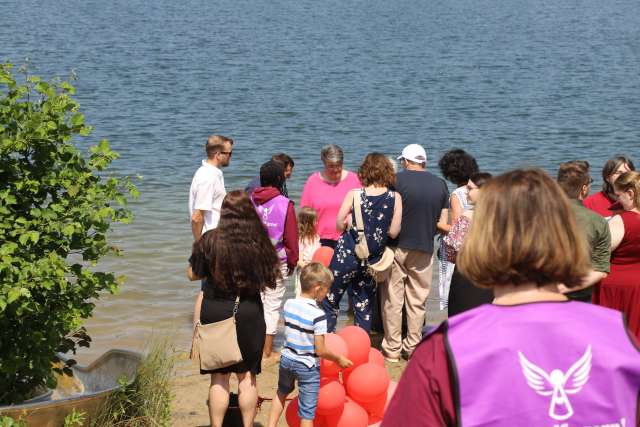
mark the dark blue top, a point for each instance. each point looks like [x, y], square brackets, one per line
[424, 195]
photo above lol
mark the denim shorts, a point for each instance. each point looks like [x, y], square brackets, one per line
[308, 385]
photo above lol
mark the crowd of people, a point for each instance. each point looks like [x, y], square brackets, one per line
[511, 249]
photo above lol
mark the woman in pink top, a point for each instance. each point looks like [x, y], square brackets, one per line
[325, 190]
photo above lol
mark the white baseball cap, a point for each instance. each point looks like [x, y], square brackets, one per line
[414, 153]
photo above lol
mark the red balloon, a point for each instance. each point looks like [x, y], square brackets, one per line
[376, 357]
[323, 255]
[367, 382]
[336, 345]
[330, 398]
[358, 344]
[319, 421]
[376, 407]
[291, 414]
[375, 421]
[327, 380]
[353, 415]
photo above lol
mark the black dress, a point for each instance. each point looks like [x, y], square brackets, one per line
[217, 305]
[464, 295]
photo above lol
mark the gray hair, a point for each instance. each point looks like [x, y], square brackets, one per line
[331, 153]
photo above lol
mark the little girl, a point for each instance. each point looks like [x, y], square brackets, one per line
[308, 240]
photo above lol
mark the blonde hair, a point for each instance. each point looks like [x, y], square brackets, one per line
[629, 181]
[307, 220]
[314, 274]
[524, 231]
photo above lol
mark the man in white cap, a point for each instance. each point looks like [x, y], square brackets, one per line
[425, 198]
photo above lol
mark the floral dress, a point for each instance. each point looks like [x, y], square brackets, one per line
[350, 273]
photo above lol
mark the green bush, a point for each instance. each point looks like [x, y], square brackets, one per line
[56, 205]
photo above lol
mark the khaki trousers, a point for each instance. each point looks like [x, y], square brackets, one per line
[408, 285]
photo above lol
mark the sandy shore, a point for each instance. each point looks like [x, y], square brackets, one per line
[190, 388]
[190, 393]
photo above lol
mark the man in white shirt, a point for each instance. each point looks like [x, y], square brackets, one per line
[207, 187]
[207, 192]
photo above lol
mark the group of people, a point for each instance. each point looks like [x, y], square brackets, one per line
[521, 241]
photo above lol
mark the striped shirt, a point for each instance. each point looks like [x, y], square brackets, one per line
[303, 320]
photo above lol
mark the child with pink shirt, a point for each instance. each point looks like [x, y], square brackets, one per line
[308, 240]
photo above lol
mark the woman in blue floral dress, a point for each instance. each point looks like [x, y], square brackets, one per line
[381, 214]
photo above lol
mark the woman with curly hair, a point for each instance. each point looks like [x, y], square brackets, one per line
[381, 214]
[456, 166]
[236, 259]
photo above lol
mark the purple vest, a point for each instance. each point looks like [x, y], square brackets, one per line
[555, 364]
[273, 214]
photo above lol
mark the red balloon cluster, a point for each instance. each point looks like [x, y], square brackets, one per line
[353, 397]
[323, 255]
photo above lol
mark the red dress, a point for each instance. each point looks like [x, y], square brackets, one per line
[620, 290]
[602, 204]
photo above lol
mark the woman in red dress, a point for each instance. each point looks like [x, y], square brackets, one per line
[604, 202]
[621, 288]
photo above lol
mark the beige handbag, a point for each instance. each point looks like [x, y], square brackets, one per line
[381, 269]
[215, 345]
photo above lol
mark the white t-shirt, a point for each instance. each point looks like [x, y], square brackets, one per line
[206, 194]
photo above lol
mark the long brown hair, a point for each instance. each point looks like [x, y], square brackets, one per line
[307, 221]
[524, 231]
[609, 169]
[243, 258]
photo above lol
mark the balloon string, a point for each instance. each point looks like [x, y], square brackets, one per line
[269, 399]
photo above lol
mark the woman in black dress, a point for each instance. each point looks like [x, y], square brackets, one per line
[463, 295]
[237, 258]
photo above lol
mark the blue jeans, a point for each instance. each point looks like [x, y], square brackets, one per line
[308, 385]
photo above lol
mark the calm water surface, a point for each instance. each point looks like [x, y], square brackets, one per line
[514, 82]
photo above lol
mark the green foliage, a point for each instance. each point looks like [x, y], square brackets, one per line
[145, 401]
[56, 206]
[10, 422]
[74, 419]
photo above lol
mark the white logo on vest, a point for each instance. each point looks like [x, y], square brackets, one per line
[558, 385]
[266, 212]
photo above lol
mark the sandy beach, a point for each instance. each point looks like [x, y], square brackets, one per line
[190, 388]
[190, 392]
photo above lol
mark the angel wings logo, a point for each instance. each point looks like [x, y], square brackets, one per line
[266, 212]
[557, 384]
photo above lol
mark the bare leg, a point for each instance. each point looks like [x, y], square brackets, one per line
[268, 346]
[218, 398]
[306, 423]
[277, 406]
[247, 397]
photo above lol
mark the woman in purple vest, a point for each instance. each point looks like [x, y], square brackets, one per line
[279, 218]
[532, 358]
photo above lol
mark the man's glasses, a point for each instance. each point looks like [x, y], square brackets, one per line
[229, 153]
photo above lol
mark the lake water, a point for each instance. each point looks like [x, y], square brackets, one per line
[513, 82]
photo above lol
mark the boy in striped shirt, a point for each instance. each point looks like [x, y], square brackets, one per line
[305, 328]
